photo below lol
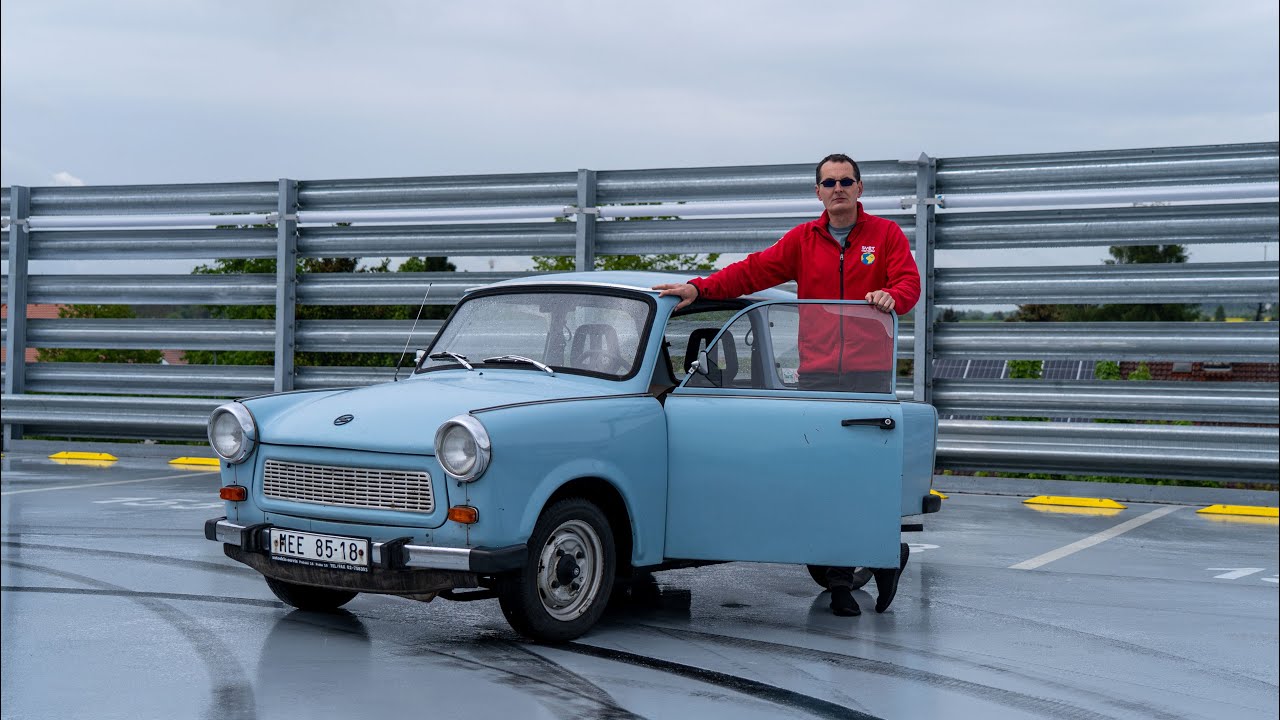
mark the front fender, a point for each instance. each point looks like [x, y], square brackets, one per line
[598, 469]
[537, 449]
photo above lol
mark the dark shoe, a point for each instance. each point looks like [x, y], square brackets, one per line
[887, 580]
[843, 604]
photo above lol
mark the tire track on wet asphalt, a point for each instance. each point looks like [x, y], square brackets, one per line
[788, 699]
[561, 691]
[232, 692]
[1038, 625]
[552, 673]
[550, 680]
[226, 569]
[598, 697]
[1134, 648]
[139, 593]
[1043, 707]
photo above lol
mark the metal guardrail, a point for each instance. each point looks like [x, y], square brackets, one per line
[1161, 196]
[1166, 451]
[1083, 285]
[1192, 341]
[1108, 399]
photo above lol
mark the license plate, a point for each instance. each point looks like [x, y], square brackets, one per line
[332, 551]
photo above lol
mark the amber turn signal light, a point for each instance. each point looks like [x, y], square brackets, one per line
[234, 493]
[464, 514]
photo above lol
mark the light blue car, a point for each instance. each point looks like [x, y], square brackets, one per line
[566, 432]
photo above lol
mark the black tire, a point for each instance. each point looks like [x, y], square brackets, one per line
[819, 574]
[308, 597]
[568, 576]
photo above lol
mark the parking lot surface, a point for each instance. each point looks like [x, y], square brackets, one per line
[113, 605]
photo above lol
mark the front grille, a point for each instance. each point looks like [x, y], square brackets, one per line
[349, 487]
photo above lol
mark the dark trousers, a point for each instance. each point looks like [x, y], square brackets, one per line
[859, 381]
[840, 577]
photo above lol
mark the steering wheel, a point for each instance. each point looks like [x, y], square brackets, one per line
[602, 361]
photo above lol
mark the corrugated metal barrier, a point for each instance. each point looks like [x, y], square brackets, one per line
[947, 206]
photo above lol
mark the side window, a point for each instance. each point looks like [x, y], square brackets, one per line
[808, 346]
[692, 331]
[731, 358]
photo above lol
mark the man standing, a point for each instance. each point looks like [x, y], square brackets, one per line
[845, 254]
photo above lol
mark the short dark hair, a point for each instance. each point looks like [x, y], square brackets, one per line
[840, 158]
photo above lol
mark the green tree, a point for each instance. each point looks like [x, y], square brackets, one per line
[1026, 369]
[1151, 312]
[1107, 370]
[661, 262]
[317, 312]
[1142, 372]
[1220, 315]
[1037, 313]
[92, 355]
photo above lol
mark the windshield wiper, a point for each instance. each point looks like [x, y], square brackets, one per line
[445, 355]
[521, 359]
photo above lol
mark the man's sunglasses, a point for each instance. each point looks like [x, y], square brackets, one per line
[844, 182]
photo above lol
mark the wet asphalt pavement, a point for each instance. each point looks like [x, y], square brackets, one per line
[114, 605]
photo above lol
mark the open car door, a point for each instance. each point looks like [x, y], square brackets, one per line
[784, 442]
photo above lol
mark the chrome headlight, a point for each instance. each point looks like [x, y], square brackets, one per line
[462, 447]
[232, 432]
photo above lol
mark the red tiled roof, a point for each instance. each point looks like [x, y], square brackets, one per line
[1210, 372]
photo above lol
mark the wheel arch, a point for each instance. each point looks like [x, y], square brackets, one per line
[611, 503]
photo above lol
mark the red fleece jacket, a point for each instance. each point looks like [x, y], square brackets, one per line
[878, 257]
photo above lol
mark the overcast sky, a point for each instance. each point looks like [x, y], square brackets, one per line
[169, 91]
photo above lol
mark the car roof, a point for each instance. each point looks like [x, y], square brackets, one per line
[642, 280]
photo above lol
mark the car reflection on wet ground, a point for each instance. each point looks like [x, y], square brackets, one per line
[114, 605]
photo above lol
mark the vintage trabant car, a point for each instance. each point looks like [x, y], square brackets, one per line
[565, 432]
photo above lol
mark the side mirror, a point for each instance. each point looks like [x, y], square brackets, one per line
[701, 365]
[418, 356]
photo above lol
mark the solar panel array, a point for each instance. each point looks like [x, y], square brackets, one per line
[1068, 369]
[978, 369]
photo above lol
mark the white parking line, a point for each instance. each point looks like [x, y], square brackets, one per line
[114, 482]
[1092, 540]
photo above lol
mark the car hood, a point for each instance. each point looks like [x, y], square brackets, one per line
[402, 417]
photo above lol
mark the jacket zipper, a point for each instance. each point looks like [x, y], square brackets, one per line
[840, 347]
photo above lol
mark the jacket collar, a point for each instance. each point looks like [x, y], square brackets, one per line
[825, 219]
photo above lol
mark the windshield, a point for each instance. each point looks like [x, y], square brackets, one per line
[569, 330]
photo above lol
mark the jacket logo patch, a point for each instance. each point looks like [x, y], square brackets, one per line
[868, 258]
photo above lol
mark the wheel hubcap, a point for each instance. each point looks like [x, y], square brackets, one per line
[569, 570]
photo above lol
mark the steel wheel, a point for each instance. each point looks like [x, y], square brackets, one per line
[569, 570]
[564, 588]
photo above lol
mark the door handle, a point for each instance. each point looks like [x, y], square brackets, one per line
[882, 423]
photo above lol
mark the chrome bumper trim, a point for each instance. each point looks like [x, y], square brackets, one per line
[415, 556]
[439, 558]
[227, 532]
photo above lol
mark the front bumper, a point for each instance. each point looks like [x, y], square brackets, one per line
[395, 566]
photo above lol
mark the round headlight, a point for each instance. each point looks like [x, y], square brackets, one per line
[462, 448]
[232, 432]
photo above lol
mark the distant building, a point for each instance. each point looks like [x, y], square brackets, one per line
[34, 312]
[50, 312]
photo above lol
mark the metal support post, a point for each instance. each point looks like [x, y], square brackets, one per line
[585, 220]
[926, 189]
[286, 282]
[15, 341]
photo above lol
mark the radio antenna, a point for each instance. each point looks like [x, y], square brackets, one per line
[396, 377]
